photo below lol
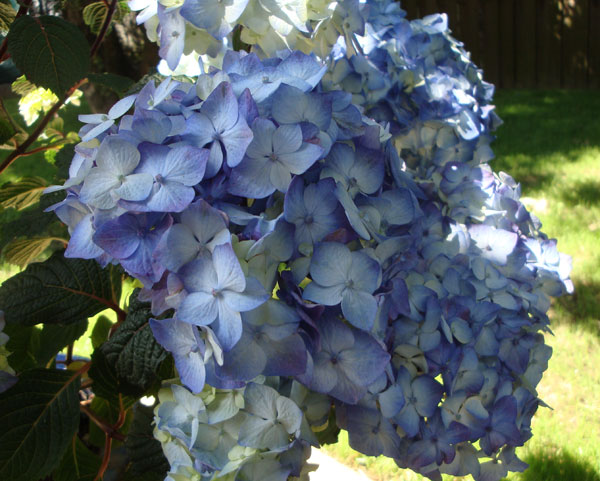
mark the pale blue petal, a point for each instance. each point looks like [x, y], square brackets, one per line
[360, 308]
[328, 296]
[198, 308]
[331, 263]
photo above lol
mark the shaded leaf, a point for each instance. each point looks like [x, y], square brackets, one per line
[23, 344]
[39, 416]
[62, 54]
[78, 463]
[7, 129]
[117, 83]
[145, 452]
[32, 347]
[54, 338]
[23, 193]
[59, 291]
[133, 351]
[62, 162]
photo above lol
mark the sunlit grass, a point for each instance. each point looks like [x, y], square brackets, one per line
[550, 142]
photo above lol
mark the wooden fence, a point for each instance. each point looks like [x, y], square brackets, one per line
[525, 43]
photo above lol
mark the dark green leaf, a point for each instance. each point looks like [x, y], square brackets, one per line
[32, 347]
[330, 434]
[59, 291]
[39, 416]
[7, 15]
[7, 129]
[24, 344]
[117, 83]
[106, 383]
[54, 338]
[62, 54]
[145, 452]
[62, 161]
[101, 331]
[133, 351]
[78, 463]
[23, 193]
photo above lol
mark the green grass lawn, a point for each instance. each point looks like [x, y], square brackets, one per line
[550, 142]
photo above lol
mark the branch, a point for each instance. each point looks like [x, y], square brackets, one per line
[22, 11]
[21, 150]
[109, 437]
[105, 458]
[104, 29]
[109, 430]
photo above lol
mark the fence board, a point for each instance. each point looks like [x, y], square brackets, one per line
[575, 37]
[594, 44]
[507, 44]
[450, 7]
[411, 7]
[490, 59]
[525, 43]
[548, 40]
[428, 7]
[470, 27]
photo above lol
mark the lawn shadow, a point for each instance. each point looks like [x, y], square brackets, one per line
[582, 308]
[586, 193]
[557, 466]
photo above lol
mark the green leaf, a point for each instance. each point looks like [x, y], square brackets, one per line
[78, 463]
[117, 83]
[59, 291]
[94, 14]
[145, 452]
[329, 434]
[22, 86]
[62, 54]
[7, 15]
[23, 344]
[101, 331]
[39, 416]
[22, 252]
[7, 128]
[32, 347]
[54, 338]
[23, 193]
[106, 383]
[133, 352]
[62, 162]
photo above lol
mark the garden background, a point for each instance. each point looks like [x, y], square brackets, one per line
[550, 142]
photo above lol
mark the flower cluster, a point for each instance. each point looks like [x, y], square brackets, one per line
[252, 433]
[186, 28]
[311, 239]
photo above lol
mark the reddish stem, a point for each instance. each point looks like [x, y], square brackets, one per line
[104, 29]
[22, 149]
